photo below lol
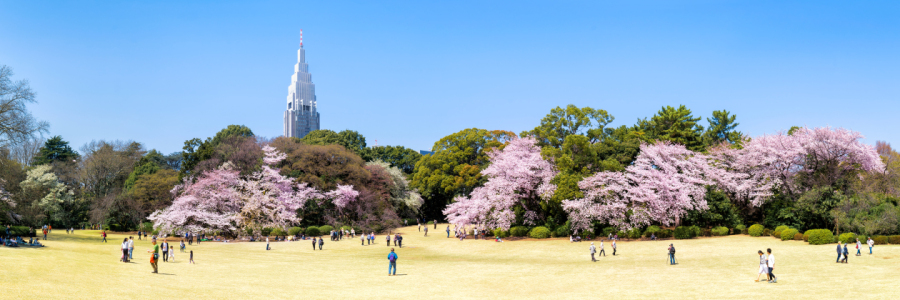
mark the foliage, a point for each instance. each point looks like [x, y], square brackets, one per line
[684, 232]
[653, 229]
[799, 237]
[455, 167]
[55, 149]
[634, 233]
[518, 231]
[278, 232]
[755, 230]
[781, 228]
[720, 231]
[867, 213]
[397, 156]
[677, 126]
[518, 178]
[197, 150]
[880, 239]
[325, 229]
[404, 198]
[152, 192]
[313, 231]
[501, 233]
[721, 129]
[664, 234]
[894, 239]
[819, 236]
[267, 231]
[847, 237]
[50, 195]
[539, 232]
[23, 231]
[721, 211]
[788, 234]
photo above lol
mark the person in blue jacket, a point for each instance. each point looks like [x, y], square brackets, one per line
[392, 266]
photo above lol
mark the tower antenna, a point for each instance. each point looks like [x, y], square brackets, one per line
[301, 38]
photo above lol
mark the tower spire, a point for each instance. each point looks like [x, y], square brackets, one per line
[301, 38]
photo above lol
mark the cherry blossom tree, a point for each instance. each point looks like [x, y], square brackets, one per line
[664, 183]
[342, 196]
[517, 177]
[222, 200]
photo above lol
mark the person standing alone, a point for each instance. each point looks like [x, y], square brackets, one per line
[593, 251]
[614, 247]
[871, 243]
[155, 256]
[321, 242]
[165, 249]
[672, 255]
[426, 230]
[314, 244]
[448, 231]
[392, 263]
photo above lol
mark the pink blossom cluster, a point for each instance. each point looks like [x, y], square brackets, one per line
[342, 195]
[224, 201]
[665, 182]
[517, 176]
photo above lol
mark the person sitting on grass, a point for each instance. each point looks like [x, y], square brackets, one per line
[653, 237]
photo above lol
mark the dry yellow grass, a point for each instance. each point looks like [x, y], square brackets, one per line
[79, 266]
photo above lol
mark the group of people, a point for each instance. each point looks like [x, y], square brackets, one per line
[368, 238]
[593, 249]
[842, 254]
[767, 266]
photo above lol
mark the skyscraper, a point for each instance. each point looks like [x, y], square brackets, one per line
[301, 115]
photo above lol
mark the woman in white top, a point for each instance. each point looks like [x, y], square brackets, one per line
[124, 251]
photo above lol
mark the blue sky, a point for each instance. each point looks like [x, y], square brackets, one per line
[409, 73]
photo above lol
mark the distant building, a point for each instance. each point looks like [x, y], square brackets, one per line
[301, 115]
[423, 152]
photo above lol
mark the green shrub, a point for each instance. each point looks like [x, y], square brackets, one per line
[325, 229]
[819, 236]
[518, 231]
[767, 231]
[634, 233]
[539, 232]
[106, 227]
[740, 229]
[155, 232]
[756, 230]
[278, 232]
[146, 226]
[651, 231]
[664, 234]
[706, 232]
[782, 228]
[621, 234]
[776, 233]
[21, 231]
[313, 231]
[798, 236]
[266, 231]
[695, 231]
[880, 239]
[682, 233]
[806, 236]
[607, 231]
[501, 233]
[720, 231]
[587, 234]
[295, 231]
[347, 228]
[847, 237]
[894, 239]
[430, 222]
[788, 234]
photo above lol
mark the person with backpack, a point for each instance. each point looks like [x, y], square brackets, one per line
[672, 254]
[392, 263]
[593, 251]
[103, 234]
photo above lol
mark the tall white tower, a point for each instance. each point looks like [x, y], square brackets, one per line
[301, 115]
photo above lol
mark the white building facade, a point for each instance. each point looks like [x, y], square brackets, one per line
[301, 115]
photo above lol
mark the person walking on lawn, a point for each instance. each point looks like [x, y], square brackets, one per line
[672, 254]
[103, 234]
[165, 249]
[602, 250]
[771, 262]
[388, 240]
[614, 247]
[448, 231]
[839, 251]
[426, 231]
[846, 253]
[593, 251]
[154, 258]
[871, 243]
[321, 242]
[314, 244]
[858, 246]
[763, 265]
[392, 263]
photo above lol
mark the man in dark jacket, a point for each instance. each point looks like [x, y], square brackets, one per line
[839, 251]
[321, 242]
[671, 254]
[314, 244]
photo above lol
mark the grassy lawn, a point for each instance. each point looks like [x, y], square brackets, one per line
[79, 266]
